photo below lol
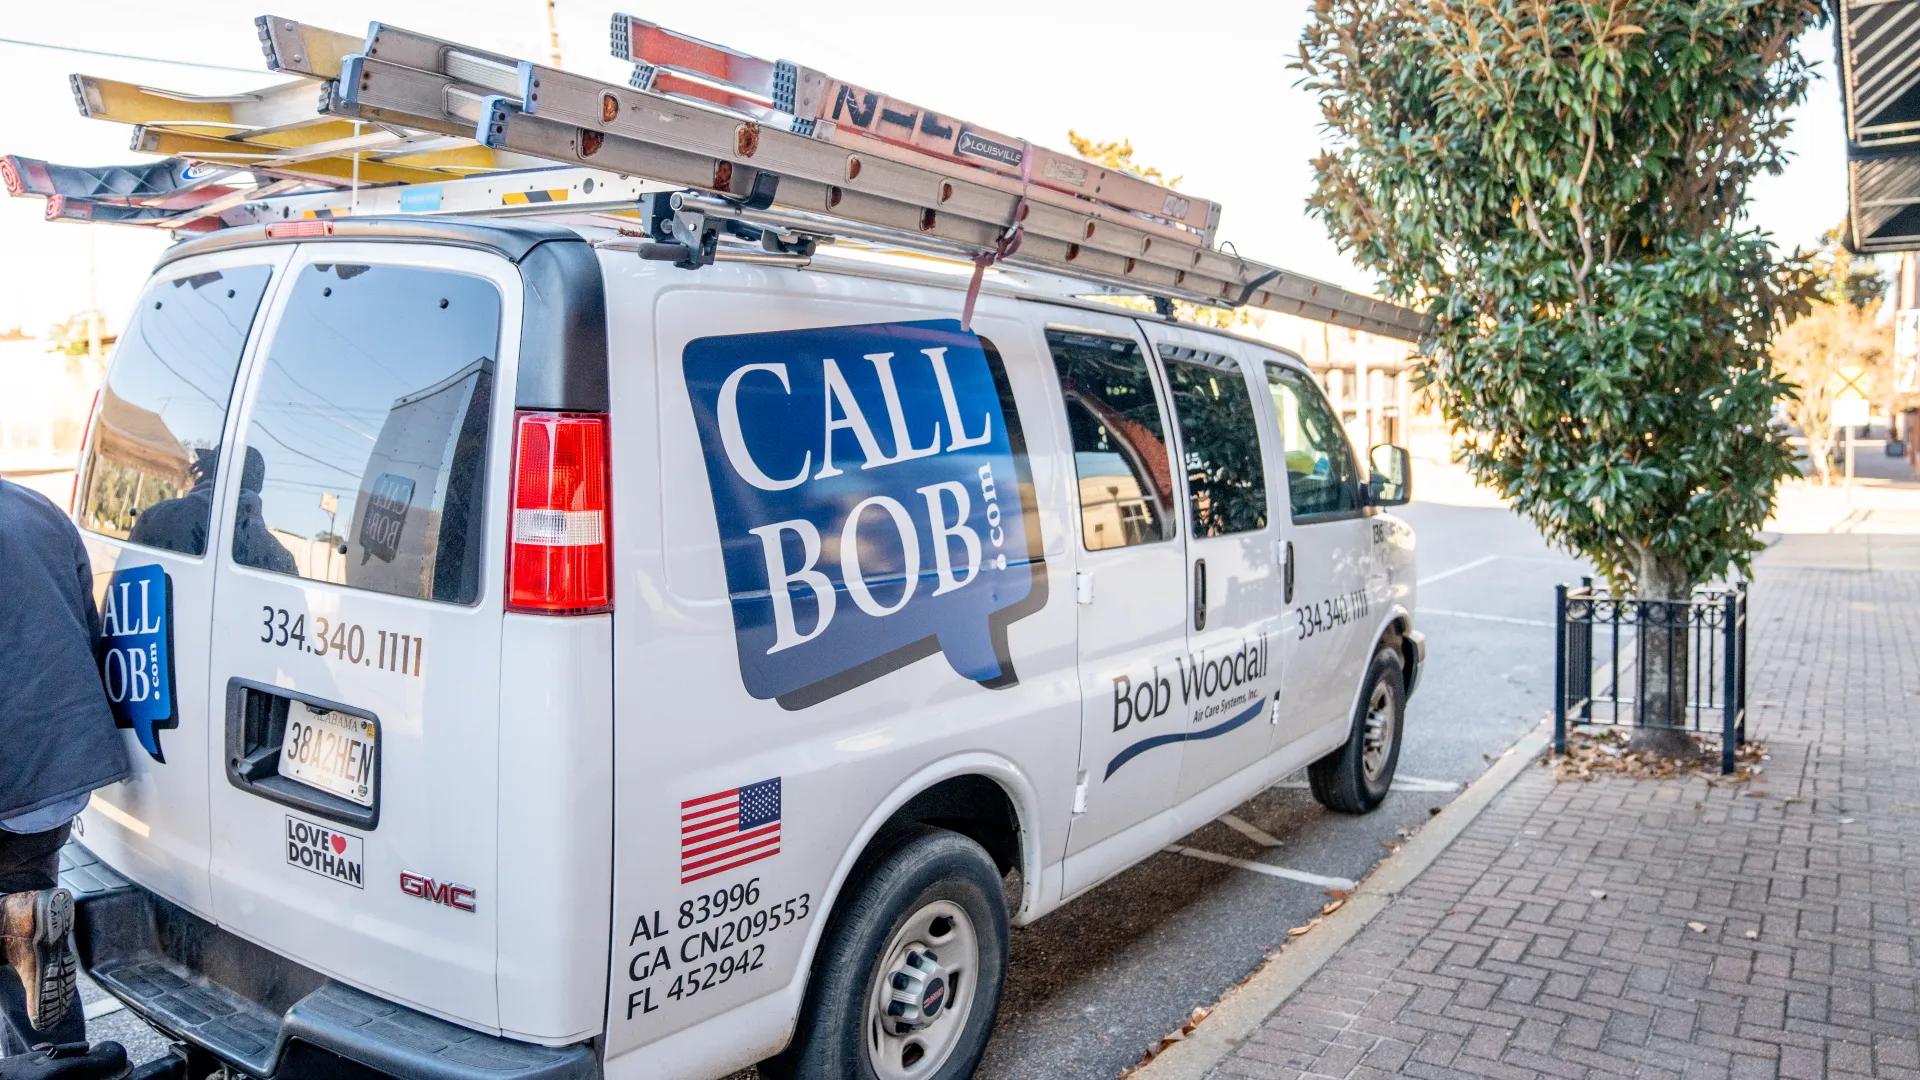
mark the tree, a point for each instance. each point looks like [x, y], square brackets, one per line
[1119, 156]
[1559, 184]
[1840, 332]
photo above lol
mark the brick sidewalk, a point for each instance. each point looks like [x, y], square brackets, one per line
[1499, 961]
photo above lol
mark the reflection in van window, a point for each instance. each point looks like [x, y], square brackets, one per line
[1322, 476]
[1220, 440]
[156, 426]
[1119, 440]
[371, 421]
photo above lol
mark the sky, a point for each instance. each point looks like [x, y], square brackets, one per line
[1206, 94]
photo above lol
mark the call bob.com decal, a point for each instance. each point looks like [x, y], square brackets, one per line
[871, 491]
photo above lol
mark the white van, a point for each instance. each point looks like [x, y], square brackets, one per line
[541, 662]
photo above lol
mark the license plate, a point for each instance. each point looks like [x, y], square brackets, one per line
[332, 751]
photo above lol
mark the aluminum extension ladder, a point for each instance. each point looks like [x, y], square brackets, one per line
[399, 122]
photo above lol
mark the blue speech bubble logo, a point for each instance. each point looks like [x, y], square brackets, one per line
[871, 488]
[136, 621]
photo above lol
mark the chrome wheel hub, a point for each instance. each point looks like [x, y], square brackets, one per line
[922, 992]
[919, 992]
[1376, 740]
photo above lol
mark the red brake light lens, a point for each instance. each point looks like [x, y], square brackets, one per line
[559, 545]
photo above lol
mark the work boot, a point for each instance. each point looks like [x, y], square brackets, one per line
[68, 1061]
[33, 935]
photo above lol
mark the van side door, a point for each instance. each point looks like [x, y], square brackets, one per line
[1130, 591]
[1328, 624]
[1229, 677]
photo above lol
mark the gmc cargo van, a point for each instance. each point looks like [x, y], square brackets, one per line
[541, 662]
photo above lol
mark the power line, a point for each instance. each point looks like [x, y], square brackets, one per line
[125, 56]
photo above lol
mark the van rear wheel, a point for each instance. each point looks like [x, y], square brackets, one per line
[909, 973]
[1354, 778]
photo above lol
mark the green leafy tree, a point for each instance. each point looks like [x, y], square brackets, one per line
[1842, 331]
[1560, 183]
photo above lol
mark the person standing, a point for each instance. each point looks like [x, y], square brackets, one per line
[57, 744]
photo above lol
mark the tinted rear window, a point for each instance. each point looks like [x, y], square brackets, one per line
[367, 445]
[156, 427]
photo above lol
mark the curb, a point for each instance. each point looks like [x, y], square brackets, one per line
[1243, 1009]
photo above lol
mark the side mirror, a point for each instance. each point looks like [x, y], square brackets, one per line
[1391, 483]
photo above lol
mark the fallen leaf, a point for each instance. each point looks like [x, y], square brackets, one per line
[1697, 927]
[1756, 794]
[1298, 930]
[1597, 894]
[1753, 935]
[1333, 907]
[1432, 810]
[1339, 894]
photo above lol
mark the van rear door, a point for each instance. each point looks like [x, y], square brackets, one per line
[353, 788]
[145, 504]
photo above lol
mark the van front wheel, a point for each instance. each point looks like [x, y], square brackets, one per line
[910, 969]
[1354, 778]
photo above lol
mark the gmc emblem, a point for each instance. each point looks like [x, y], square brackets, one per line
[440, 892]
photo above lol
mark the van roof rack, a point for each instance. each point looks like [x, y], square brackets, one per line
[703, 141]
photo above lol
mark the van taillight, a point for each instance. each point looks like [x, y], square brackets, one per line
[559, 544]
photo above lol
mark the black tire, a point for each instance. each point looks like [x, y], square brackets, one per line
[1342, 780]
[906, 874]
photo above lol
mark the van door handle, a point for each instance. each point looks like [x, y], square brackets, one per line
[1286, 572]
[1199, 594]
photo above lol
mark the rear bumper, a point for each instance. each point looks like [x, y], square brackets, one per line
[265, 1015]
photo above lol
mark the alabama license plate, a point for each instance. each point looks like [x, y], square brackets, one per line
[332, 751]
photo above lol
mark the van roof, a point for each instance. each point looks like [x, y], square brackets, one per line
[514, 238]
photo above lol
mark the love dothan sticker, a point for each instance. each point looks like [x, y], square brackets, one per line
[328, 852]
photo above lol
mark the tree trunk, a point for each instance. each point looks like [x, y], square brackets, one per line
[1662, 671]
[1821, 451]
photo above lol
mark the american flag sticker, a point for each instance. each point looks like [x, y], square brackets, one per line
[729, 828]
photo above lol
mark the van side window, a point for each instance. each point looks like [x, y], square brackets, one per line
[1219, 440]
[367, 446]
[1119, 440]
[1322, 476]
[156, 427]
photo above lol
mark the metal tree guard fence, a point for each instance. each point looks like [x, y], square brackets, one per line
[1602, 644]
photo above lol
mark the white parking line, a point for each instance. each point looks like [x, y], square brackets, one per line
[1461, 569]
[1483, 618]
[1262, 868]
[1401, 782]
[1249, 830]
[106, 1006]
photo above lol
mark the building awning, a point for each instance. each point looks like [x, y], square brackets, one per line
[1877, 44]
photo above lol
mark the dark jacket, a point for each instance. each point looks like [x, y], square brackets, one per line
[57, 736]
